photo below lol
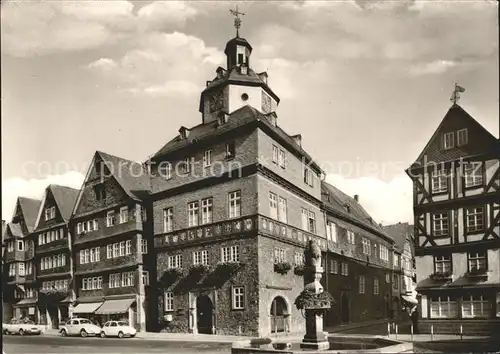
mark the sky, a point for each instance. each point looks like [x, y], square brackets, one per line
[366, 83]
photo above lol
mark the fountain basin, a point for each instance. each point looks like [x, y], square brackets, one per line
[337, 344]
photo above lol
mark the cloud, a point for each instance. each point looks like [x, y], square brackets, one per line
[163, 64]
[435, 67]
[159, 13]
[34, 188]
[387, 202]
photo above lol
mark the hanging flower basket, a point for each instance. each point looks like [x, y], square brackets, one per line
[199, 269]
[282, 267]
[171, 274]
[299, 270]
[229, 267]
[308, 300]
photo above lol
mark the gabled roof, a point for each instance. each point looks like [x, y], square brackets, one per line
[132, 177]
[338, 200]
[65, 199]
[238, 118]
[480, 141]
[400, 232]
[29, 208]
[14, 229]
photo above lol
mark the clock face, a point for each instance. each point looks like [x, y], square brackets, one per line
[216, 101]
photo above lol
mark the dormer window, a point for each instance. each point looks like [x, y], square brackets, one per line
[243, 69]
[183, 133]
[230, 150]
[462, 137]
[221, 118]
[100, 192]
[240, 58]
[50, 213]
[449, 141]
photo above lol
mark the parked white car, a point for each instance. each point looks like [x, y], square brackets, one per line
[79, 327]
[118, 329]
[21, 327]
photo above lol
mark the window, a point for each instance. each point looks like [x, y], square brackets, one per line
[100, 192]
[169, 301]
[200, 257]
[230, 254]
[12, 269]
[94, 254]
[308, 177]
[376, 286]
[128, 247]
[168, 215]
[168, 170]
[109, 252]
[334, 267]
[311, 221]
[443, 307]
[50, 213]
[87, 283]
[462, 138]
[123, 215]
[396, 260]
[367, 249]
[20, 245]
[110, 218]
[384, 253]
[230, 150]
[475, 306]
[238, 298]
[279, 255]
[439, 182]
[475, 219]
[114, 280]
[350, 237]
[21, 269]
[10, 246]
[298, 258]
[275, 154]
[304, 219]
[442, 264]
[188, 162]
[440, 224]
[193, 214]
[395, 282]
[273, 206]
[344, 269]
[331, 231]
[473, 175]
[207, 158]
[282, 158]
[498, 304]
[361, 284]
[206, 211]
[235, 204]
[144, 246]
[175, 261]
[128, 279]
[477, 261]
[449, 140]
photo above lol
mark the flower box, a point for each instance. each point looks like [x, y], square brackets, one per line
[299, 270]
[229, 267]
[282, 267]
[477, 273]
[442, 276]
[53, 294]
[199, 269]
[308, 300]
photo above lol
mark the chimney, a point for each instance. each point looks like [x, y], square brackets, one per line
[298, 139]
[356, 198]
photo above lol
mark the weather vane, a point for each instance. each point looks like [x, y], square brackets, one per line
[237, 20]
[455, 96]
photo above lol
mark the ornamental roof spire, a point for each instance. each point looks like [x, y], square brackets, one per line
[237, 20]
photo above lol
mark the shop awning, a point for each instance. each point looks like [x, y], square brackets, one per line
[25, 303]
[409, 299]
[114, 306]
[88, 307]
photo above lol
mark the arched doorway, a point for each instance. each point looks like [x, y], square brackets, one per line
[345, 311]
[279, 314]
[204, 314]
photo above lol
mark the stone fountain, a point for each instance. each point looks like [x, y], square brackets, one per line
[313, 300]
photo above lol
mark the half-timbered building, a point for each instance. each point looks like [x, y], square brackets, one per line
[20, 286]
[109, 224]
[456, 202]
[53, 260]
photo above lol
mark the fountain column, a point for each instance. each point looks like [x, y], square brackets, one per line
[314, 303]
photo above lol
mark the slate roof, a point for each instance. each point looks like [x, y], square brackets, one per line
[337, 200]
[399, 233]
[14, 229]
[65, 198]
[29, 208]
[480, 142]
[131, 175]
[238, 118]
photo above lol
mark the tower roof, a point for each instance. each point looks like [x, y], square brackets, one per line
[236, 41]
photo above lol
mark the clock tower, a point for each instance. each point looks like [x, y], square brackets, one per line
[238, 84]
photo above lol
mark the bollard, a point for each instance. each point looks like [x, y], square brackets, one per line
[432, 332]
[461, 332]
[388, 329]
[396, 331]
[411, 332]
